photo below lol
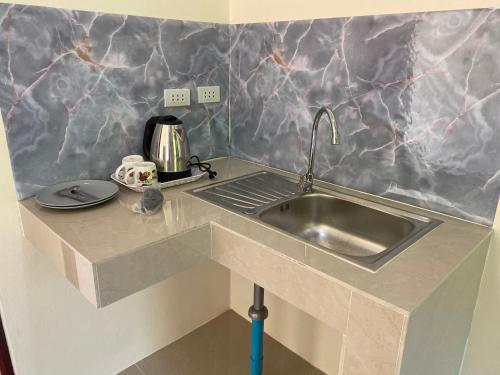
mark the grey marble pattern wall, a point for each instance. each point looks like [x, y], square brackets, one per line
[76, 88]
[416, 96]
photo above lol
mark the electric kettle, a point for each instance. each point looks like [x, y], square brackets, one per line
[166, 144]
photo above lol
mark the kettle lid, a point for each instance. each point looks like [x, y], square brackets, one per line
[168, 120]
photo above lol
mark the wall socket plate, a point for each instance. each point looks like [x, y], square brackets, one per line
[177, 97]
[208, 94]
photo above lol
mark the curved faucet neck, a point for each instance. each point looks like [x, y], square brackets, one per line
[307, 180]
[331, 120]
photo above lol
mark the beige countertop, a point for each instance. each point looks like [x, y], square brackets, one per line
[109, 252]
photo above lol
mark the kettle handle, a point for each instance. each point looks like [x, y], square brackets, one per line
[148, 136]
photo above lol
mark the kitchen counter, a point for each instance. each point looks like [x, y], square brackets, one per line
[108, 233]
[109, 252]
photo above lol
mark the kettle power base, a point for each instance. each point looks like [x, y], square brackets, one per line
[171, 176]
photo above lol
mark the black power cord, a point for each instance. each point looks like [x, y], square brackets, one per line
[204, 167]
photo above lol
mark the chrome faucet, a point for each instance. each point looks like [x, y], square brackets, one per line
[306, 181]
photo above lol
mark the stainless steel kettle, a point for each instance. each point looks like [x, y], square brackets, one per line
[166, 144]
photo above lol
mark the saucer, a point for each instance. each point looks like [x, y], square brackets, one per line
[76, 194]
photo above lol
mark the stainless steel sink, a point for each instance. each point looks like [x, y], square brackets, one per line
[361, 233]
[368, 235]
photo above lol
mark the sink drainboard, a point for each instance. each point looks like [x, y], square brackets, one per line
[250, 193]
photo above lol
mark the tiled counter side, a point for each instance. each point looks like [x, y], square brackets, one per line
[379, 337]
[109, 252]
[385, 317]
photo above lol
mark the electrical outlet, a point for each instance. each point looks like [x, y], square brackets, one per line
[208, 94]
[177, 97]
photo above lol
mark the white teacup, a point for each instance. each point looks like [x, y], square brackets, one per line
[142, 174]
[127, 163]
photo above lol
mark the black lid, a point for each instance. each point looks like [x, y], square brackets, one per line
[168, 120]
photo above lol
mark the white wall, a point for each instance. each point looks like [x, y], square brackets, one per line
[191, 10]
[246, 11]
[243, 11]
[481, 356]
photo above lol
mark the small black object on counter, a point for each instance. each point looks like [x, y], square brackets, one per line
[151, 202]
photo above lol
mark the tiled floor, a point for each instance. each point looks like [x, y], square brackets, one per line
[220, 347]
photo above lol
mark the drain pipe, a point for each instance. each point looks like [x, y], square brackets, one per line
[257, 312]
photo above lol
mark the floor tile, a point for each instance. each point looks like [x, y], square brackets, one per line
[222, 347]
[132, 370]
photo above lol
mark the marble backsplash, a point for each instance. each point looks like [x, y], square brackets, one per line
[416, 97]
[76, 88]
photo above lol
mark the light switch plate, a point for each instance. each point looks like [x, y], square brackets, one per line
[208, 94]
[177, 97]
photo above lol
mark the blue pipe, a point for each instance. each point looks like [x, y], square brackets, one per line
[257, 312]
[256, 356]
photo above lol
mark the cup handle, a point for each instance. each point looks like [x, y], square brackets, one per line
[118, 170]
[132, 173]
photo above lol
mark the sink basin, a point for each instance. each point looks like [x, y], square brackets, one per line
[368, 234]
[341, 226]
